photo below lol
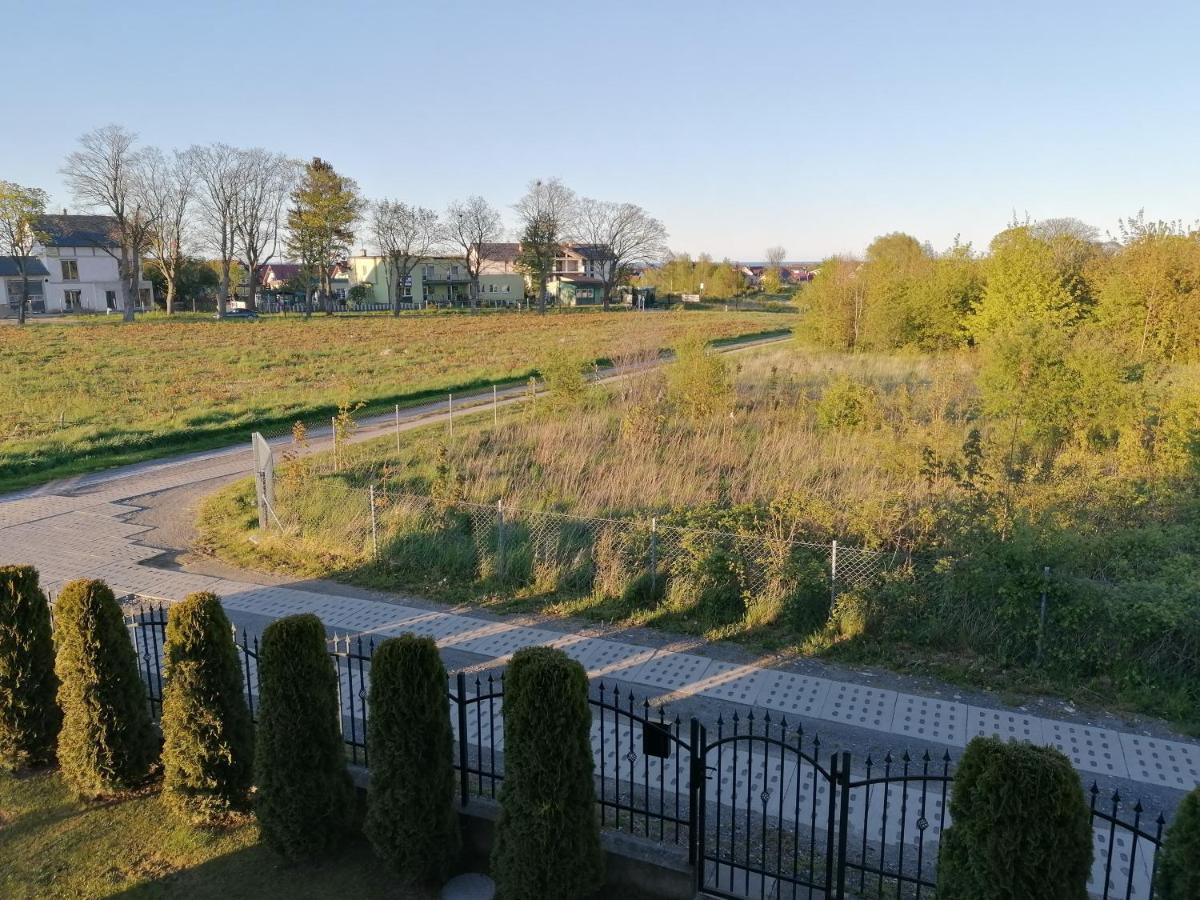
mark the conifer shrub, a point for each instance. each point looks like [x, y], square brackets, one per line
[305, 797]
[411, 820]
[29, 713]
[107, 742]
[208, 739]
[547, 838]
[1179, 860]
[1021, 826]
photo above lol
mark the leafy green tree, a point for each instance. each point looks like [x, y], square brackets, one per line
[771, 282]
[895, 264]
[1179, 862]
[107, 742]
[411, 820]
[566, 379]
[547, 838]
[325, 208]
[208, 739]
[938, 305]
[20, 210]
[29, 715]
[836, 304]
[1025, 286]
[305, 797]
[1021, 826]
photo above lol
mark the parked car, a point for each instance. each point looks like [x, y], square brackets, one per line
[237, 314]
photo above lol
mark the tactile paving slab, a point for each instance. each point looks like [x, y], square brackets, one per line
[944, 721]
[671, 671]
[732, 682]
[795, 695]
[856, 704]
[1089, 748]
[1158, 761]
[1125, 857]
[603, 659]
[1008, 726]
[496, 640]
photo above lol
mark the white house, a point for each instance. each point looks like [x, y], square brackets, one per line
[75, 270]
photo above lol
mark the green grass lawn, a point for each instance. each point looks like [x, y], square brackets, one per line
[85, 395]
[54, 846]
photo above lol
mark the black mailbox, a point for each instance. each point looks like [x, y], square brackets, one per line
[656, 740]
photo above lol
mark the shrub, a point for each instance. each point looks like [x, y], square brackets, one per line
[1179, 862]
[304, 791]
[698, 380]
[565, 376]
[411, 819]
[847, 403]
[29, 715]
[547, 839]
[1021, 826]
[107, 742]
[208, 741]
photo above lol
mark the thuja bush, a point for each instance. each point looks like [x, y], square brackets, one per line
[547, 838]
[1179, 862]
[1021, 826]
[411, 820]
[107, 742]
[208, 742]
[305, 797]
[29, 713]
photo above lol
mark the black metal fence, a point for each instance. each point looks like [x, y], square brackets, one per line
[758, 807]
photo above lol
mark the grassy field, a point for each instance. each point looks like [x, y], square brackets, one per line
[52, 846]
[891, 452]
[85, 395]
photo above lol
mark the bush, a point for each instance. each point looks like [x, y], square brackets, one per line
[1021, 826]
[29, 716]
[1179, 863]
[411, 819]
[547, 839]
[107, 742]
[305, 796]
[208, 739]
[847, 403]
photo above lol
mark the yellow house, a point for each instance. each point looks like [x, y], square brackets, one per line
[435, 281]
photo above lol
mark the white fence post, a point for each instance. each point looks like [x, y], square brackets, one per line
[450, 405]
[374, 528]
[833, 573]
[397, 427]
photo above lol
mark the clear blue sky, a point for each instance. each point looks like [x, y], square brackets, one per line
[741, 125]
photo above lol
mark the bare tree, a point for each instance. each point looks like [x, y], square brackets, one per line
[629, 234]
[21, 208]
[775, 257]
[104, 174]
[470, 224]
[405, 235]
[167, 186]
[218, 176]
[265, 181]
[547, 215]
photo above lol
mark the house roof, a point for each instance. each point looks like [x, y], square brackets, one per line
[577, 279]
[10, 267]
[594, 252]
[278, 271]
[502, 252]
[79, 231]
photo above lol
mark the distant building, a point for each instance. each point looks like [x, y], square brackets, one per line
[76, 269]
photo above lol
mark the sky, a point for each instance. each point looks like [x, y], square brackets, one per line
[741, 125]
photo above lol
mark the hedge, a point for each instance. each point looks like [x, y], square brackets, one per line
[29, 714]
[208, 741]
[411, 820]
[107, 742]
[305, 797]
[1179, 862]
[1021, 826]
[547, 838]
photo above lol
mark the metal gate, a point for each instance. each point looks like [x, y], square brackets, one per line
[766, 811]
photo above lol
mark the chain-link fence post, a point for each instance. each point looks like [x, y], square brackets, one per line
[374, 525]
[397, 427]
[500, 539]
[450, 407]
[334, 429]
[833, 573]
[1041, 640]
[263, 520]
[653, 556]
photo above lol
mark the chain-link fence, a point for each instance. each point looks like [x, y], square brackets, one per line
[721, 576]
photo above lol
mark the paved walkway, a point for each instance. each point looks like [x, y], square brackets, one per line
[73, 535]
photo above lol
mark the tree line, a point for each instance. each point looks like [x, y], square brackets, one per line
[245, 206]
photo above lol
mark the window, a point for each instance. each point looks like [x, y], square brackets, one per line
[110, 299]
[72, 300]
[70, 269]
[426, 271]
[454, 271]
